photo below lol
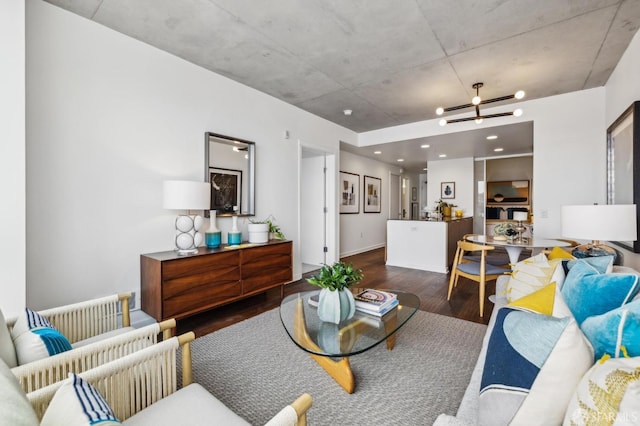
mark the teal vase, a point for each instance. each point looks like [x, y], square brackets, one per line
[336, 306]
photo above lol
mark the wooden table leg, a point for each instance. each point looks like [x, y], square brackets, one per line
[390, 323]
[339, 370]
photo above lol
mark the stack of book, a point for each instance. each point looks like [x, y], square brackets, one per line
[375, 302]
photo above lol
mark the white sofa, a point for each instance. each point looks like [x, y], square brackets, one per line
[467, 414]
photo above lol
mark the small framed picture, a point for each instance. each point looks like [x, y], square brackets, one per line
[372, 201]
[350, 188]
[447, 190]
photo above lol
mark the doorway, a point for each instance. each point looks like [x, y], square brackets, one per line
[395, 211]
[317, 208]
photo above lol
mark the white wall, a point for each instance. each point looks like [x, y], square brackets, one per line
[622, 89]
[365, 231]
[12, 157]
[108, 119]
[569, 139]
[459, 171]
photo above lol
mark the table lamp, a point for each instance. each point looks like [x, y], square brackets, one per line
[596, 222]
[520, 228]
[187, 195]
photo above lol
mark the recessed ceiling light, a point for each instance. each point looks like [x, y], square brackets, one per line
[400, 160]
[425, 146]
[499, 149]
[348, 111]
[492, 137]
[442, 155]
[377, 152]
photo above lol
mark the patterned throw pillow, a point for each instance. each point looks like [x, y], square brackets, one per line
[589, 292]
[78, 403]
[611, 331]
[35, 338]
[533, 364]
[607, 394]
[530, 275]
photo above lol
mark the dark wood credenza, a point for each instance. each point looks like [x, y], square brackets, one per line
[175, 286]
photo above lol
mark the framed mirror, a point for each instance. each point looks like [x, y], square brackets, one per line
[230, 171]
[623, 165]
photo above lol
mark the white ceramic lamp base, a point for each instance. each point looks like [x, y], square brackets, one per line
[188, 237]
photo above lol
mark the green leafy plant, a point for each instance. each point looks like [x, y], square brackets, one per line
[273, 228]
[338, 276]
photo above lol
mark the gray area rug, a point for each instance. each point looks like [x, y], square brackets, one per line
[255, 370]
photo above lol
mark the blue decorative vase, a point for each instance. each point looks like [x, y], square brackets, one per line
[234, 237]
[212, 236]
[336, 306]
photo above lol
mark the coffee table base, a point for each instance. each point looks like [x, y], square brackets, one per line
[339, 370]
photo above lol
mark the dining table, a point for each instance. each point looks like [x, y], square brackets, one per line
[514, 246]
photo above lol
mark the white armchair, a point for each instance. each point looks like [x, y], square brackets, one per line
[87, 319]
[95, 332]
[142, 389]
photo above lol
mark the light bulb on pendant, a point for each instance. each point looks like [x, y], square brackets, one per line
[443, 122]
[478, 120]
[519, 94]
[476, 100]
[517, 112]
[439, 110]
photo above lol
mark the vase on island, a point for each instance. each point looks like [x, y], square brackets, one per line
[212, 236]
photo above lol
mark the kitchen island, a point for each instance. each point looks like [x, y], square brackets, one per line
[429, 245]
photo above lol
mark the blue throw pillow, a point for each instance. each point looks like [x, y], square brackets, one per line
[588, 292]
[616, 328]
[603, 264]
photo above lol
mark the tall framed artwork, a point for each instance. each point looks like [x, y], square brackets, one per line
[350, 191]
[623, 166]
[371, 200]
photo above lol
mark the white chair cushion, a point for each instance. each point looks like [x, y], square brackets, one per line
[192, 405]
[99, 337]
[15, 409]
[7, 350]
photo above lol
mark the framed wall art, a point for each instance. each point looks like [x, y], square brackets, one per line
[350, 193]
[447, 190]
[226, 189]
[623, 165]
[372, 200]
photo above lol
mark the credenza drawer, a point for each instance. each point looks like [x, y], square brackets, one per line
[174, 286]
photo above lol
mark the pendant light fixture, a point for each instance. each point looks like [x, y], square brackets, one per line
[476, 102]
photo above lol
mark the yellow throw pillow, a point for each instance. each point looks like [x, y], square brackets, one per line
[560, 253]
[530, 275]
[547, 301]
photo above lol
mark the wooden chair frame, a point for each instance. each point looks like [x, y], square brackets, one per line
[481, 279]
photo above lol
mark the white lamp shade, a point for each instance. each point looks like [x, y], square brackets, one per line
[186, 195]
[520, 216]
[606, 222]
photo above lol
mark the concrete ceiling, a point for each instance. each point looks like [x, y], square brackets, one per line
[391, 62]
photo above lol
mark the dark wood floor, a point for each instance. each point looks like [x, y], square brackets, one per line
[431, 287]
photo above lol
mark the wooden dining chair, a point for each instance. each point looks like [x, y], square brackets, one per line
[497, 259]
[480, 272]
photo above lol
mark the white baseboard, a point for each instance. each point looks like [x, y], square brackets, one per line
[362, 250]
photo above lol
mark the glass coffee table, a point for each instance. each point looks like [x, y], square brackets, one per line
[331, 345]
